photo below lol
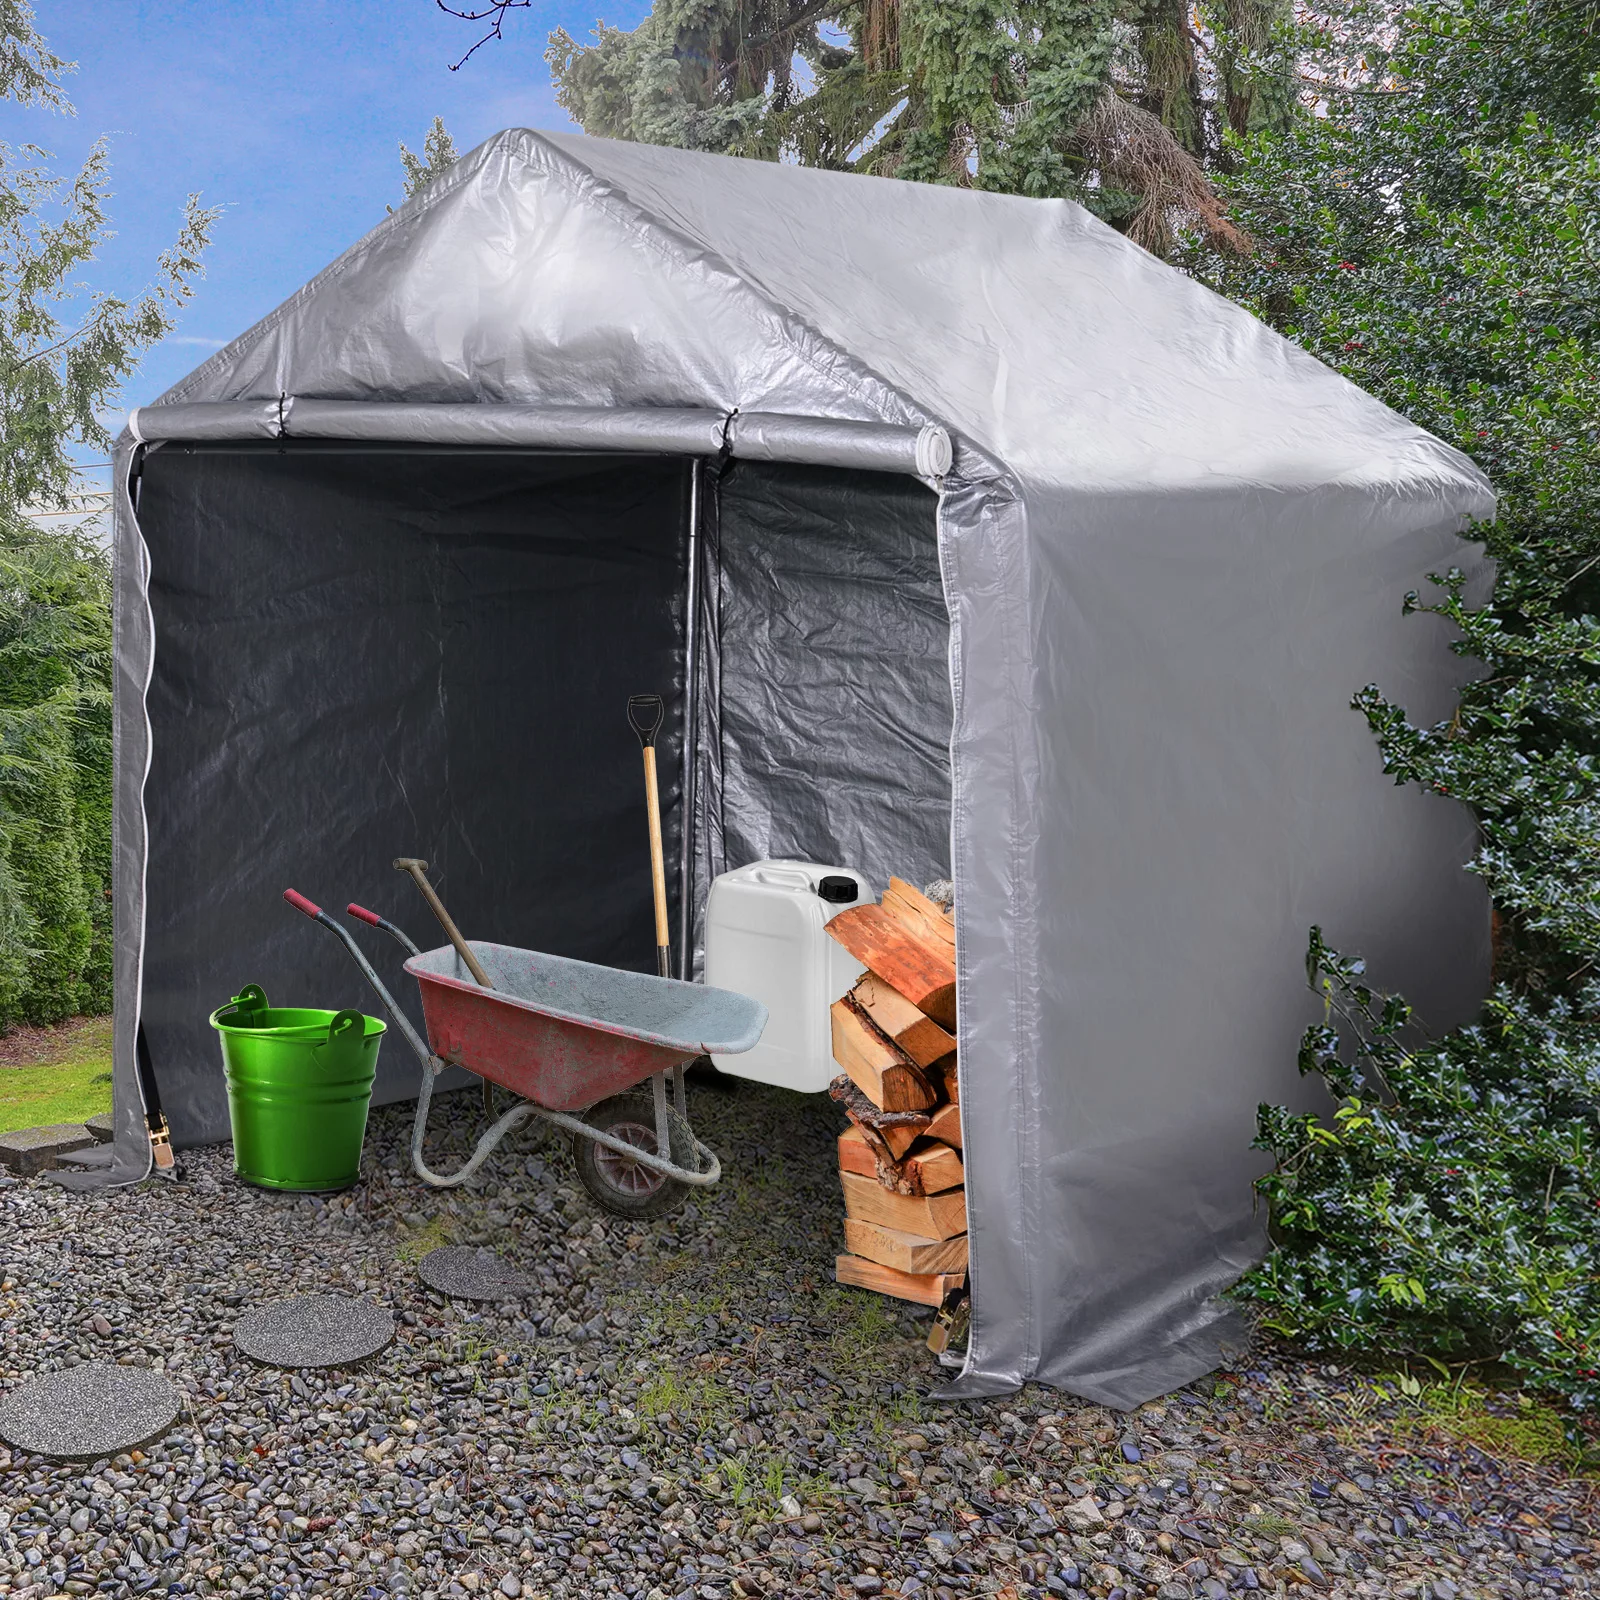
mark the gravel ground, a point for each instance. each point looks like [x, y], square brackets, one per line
[689, 1408]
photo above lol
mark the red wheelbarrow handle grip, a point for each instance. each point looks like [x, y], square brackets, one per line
[371, 917]
[300, 903]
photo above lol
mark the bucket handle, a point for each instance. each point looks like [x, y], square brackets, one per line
[249, 999]
[345, 1023]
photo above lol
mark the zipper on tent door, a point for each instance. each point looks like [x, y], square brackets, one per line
[686, 786]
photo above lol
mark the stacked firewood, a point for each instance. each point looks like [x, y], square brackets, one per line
[900, 1160]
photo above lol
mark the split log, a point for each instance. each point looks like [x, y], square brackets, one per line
[892, 1132]
[912, 907]
[946, 1125]
[933, 1167]
[919, 966]
[945, 1079]
[905, 1252]
[919, 1036]
[927, 1168]
[934, 1216]
[883, 1072]
[923, 1288]
[856, 1153]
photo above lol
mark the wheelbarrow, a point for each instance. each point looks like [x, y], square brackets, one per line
[574, 1041]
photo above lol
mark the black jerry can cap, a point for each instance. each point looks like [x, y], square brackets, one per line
[839, 889]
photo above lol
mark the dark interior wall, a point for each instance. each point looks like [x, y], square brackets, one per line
[363, 653]
[829, 737]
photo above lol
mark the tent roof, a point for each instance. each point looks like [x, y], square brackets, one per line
[1171, 547]
[562, 270]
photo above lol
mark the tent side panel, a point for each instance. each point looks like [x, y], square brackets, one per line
[983, 547]
[834, 735]
[362, 654]
[1205, 795]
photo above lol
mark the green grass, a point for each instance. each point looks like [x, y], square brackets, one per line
[1270, 1526]
[1502, 1422]
[68, 1082]
[1509, 1427]
[432, 1235]
[695, 1397]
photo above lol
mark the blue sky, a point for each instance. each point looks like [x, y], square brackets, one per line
[286, 112]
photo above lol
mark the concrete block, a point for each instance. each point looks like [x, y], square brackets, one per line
[32, 1150]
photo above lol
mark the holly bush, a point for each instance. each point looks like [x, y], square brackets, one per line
[1449, 1207]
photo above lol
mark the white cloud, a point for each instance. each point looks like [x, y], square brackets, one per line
[192, 338]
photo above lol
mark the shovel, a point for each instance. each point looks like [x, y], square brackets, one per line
[645, 712]
[419, 874]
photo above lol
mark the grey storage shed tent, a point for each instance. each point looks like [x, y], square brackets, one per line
[961, 534]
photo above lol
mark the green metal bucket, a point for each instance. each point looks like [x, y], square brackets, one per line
[299, 1084]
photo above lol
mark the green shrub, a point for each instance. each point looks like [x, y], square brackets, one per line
[92, 804]
[55, 777]
[1450, 1206]
[1433, 231]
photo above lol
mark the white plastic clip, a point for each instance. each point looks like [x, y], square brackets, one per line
[934, 453]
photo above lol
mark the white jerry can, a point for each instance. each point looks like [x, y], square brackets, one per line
[766, 937]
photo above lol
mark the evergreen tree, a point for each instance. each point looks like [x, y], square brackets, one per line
[55, 626]
[1119, 110]
[438, 156]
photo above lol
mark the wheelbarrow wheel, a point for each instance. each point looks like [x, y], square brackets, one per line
[628, 1188]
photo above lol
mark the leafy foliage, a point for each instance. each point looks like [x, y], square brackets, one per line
[1450, 1207]
[1434, 232]
[55, 621]
[438, 156]
[1107, 103]
[55, 774]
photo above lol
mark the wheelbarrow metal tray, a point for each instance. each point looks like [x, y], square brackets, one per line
[566, 1033]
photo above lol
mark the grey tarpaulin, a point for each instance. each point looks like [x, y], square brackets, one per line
[834, 703]
[1170, 546]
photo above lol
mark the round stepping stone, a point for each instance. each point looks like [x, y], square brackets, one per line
[470, 1274]
[314, 1330]
[87, 1412]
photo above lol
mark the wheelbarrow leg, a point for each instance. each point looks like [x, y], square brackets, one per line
[658, 1088]
[514, 1118]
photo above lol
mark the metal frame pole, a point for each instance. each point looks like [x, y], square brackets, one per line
[691, 680]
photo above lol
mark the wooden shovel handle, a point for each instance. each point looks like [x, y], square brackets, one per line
[658, 870]
[419, 870]
[645, 713]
